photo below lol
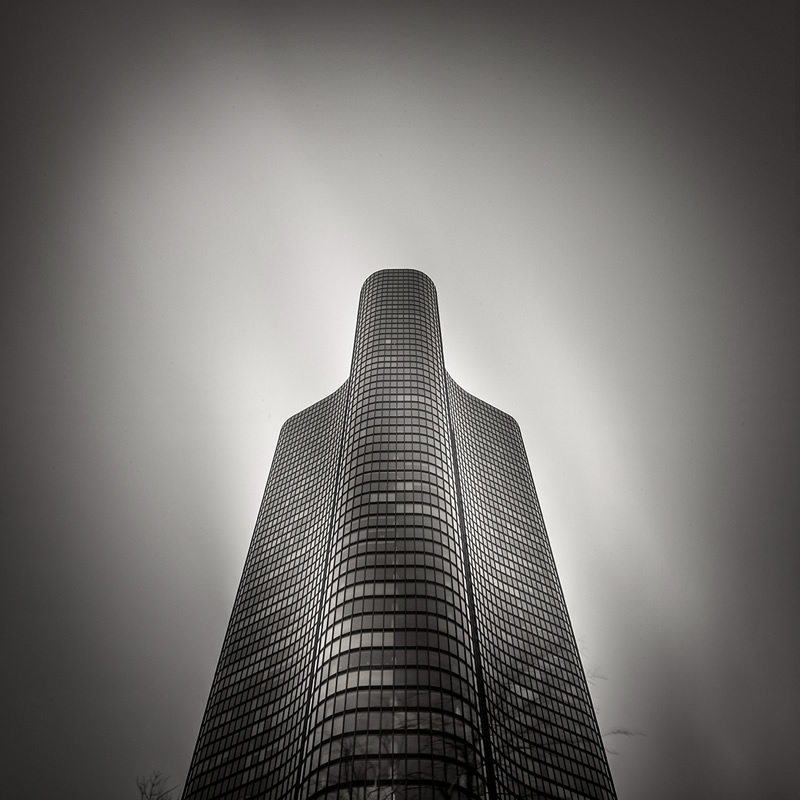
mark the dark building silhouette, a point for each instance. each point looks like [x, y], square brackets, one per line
[399, 631]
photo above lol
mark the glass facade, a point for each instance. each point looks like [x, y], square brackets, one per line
[399, 631]
[250, 742]
[544, 736]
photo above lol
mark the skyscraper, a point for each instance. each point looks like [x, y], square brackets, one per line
[399, 630]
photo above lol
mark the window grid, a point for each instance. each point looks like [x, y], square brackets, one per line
[394, 701]
[399, 632]
[543, 729]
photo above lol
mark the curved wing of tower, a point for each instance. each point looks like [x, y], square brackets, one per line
[399, 630]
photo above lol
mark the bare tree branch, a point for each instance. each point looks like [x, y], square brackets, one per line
[623, 732]
[153, 787]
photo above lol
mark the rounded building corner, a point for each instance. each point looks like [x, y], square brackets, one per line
[380, 274]
[300, 416]
[494, 410]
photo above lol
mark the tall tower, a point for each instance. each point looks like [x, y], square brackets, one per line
[399, 632]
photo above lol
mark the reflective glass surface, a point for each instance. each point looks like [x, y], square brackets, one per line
[394, 702]
[544, 737]
[399, 631]
[250, 742]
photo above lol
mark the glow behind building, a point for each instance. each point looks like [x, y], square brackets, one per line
[399, 631]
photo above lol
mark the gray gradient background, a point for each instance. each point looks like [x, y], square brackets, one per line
[604, 197]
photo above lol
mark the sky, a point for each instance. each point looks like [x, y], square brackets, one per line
[604, 196]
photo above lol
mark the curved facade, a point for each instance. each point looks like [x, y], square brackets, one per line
[399, 631]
